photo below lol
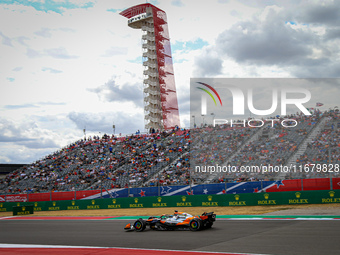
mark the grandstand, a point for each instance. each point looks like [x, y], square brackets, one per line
[165, 158]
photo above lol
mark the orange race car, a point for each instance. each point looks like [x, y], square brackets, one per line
[180, 220]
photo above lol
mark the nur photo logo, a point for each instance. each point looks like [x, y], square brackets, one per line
[204, 98]
[216, 101]
[279, 97]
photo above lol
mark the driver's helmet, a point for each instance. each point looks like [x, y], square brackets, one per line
[177, 213]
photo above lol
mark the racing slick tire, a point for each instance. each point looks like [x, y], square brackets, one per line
[139, 225]
[195, 224]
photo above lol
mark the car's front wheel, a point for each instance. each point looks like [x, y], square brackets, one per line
[139, 225]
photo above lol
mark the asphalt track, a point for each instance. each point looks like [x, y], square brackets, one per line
[237, 236]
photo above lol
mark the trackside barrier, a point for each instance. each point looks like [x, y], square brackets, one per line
[199, 189]
[23, 210]
[246, 199]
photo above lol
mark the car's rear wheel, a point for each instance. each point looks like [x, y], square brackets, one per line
[195, 224]
[139, 225]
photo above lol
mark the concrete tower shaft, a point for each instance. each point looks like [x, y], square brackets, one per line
[160, 97]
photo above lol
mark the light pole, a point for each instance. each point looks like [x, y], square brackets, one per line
[203, 119]
[159, 183]
[194, 121]
[190, 180]
[213, 118]
[101, 189]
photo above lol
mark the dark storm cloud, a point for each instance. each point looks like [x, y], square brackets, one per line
[322, 14]
[328, 69]
[102, 122]
[92, 121]
[271, 42]
[265, 3]
[39, 143]
[287, 39]
[16, 138]
[112, 92]
[207, 64]
[332, 34]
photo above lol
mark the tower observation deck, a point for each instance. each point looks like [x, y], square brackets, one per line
[160, 98]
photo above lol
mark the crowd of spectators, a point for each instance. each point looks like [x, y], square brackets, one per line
[98, 161]
[323, 150]
[165, 158]
[276, 145]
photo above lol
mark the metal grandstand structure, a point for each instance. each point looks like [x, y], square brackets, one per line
[160, 98]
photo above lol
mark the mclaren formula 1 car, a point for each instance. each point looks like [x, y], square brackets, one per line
[178, 221]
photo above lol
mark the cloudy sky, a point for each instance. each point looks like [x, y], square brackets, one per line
[66, 65]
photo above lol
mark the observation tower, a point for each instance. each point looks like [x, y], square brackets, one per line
[160, 97]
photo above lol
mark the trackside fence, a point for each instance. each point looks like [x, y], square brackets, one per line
[245, 199]
[198, 189]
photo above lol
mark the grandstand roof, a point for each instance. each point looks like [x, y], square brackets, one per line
[7, 168]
